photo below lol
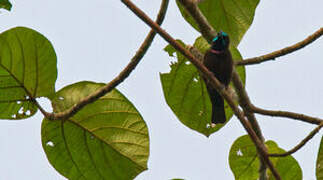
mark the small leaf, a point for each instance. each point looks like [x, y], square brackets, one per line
[107, 139]
[5, 4]
[243, 159]
[231, 16]
[185, 91]
[319, 162]
[287, 167]
[244, 162]
[27, 70]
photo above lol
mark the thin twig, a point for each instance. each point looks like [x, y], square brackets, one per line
[117, 80]
[282, 52]
[213, 80]
[301, 144]
[292, 115]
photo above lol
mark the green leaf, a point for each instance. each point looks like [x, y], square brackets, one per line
[319, 162]
[243, 159]
[27, 70]
[185, 91]
[5, 4]
[231, 16]
[244, 162]
[107, 139]
[287, 167]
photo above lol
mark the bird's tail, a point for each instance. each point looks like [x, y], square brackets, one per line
[218, 113]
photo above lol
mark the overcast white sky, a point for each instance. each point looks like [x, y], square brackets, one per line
[94, 40]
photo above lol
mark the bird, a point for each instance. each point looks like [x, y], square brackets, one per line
[218, 60]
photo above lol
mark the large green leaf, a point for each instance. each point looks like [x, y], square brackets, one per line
[5, 4]
[107, 139]
[27, 70]
[185, 91]
[232, 16]
[244, 162]
[319, 162]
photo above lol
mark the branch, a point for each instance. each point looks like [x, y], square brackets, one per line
[206, 29]
[117, 80]
[282, 52]
[301, 144]
[292, 115]
[213, 80]
[244, 102]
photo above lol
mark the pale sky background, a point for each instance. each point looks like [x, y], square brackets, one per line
[94, 40]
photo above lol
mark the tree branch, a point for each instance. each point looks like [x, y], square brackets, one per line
[292, 115]
[244, 102]
[282, 52]
[206, 29]
[301, 144]
[117, 80]
[213, 80]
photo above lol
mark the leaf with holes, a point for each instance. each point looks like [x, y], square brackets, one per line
[244, 162]
[186, 94]
[319, 162]
[231, 16]
[27, 71]
[107, 139]
[5, 4]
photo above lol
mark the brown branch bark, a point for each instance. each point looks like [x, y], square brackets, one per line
[301, 144]
[217, 85]
[282, 52]
[206, 29]
[244, 102]
[117, 80]
[286, 114]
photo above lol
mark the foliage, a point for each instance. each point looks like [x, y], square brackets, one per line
[27, 70]
[231, 16]
[100, 141]
[319, 162]
[108, 139]
[244, 161]
[5, 4]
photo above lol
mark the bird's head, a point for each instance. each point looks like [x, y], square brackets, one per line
[221, 41]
